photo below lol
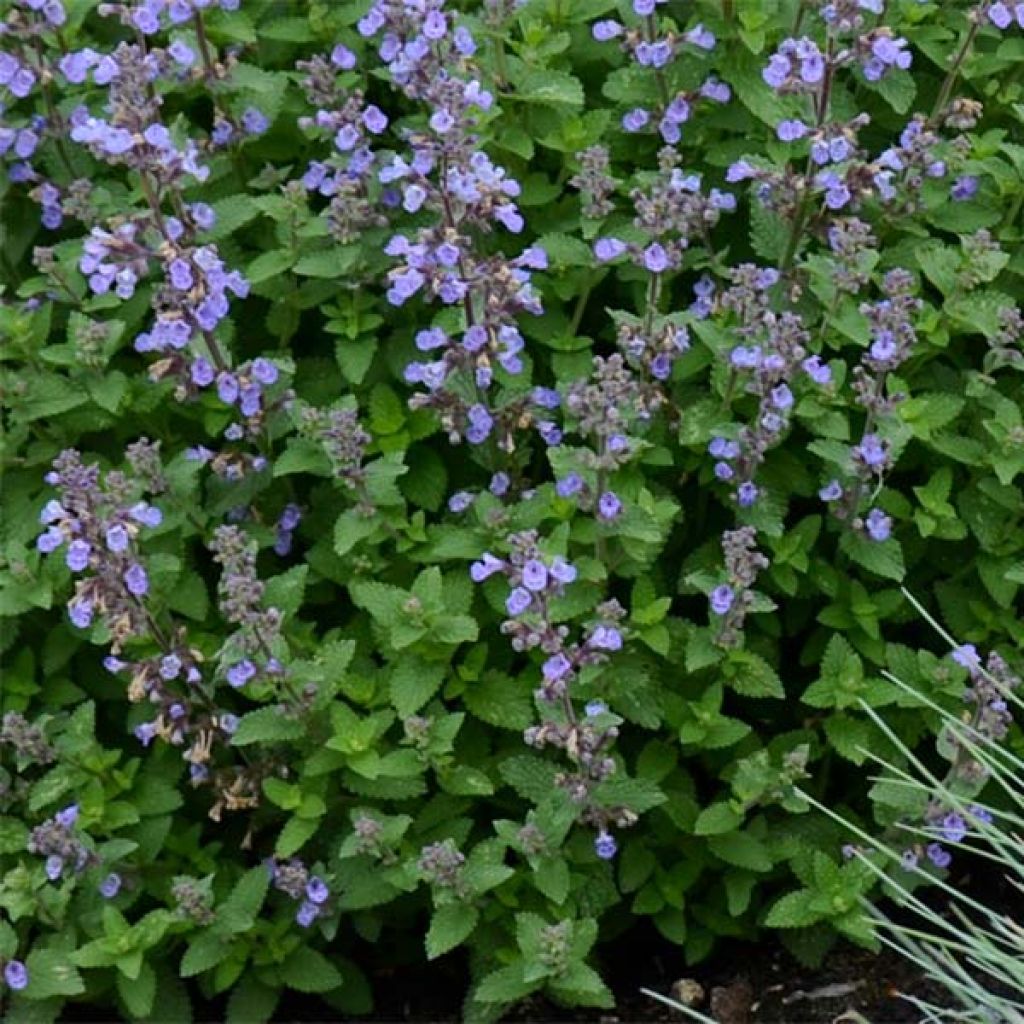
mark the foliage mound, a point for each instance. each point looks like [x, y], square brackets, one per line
[461, 461]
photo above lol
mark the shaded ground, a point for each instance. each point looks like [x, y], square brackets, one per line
[746, 985]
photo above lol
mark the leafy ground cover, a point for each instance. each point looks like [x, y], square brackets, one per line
[465, 465]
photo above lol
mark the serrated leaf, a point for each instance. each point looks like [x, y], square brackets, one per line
[307, 970]
[51, 974]
[266, 725]
[450, 926]
[413, 682]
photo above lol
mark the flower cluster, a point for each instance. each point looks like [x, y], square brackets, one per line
[310, 891]
[57, 840]
[446, 175]
[732, 600]
[767, 364]
[892, 340]
[28, 741]
[990, 683]
[345, 178]
[604, 409]
[649, 46]
[248, 653]
[535, 582]
[98, 519]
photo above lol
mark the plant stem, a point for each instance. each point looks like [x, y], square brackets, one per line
[954, 71]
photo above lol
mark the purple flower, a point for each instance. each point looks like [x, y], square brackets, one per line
[781, 397]
[342, 57]
[500, 483]
[254, 122]
[67, 817]
[77, 556]
[117, 538]
[264, 371]
[819, 372]
[460, 501]
[605, 846]
[557, 667]
[569, 485]
[878, 525]
[51, 512]
[375, 119]
[939, 856]
[307, 913]
[832, 491]
[1000, 15]
[607, 29]
[487, 566]
[981, 814]
[170, 666]
[964, 188]
[701, 37]
[180, 274]
[746, 494]
[535, 575]
[80, 613]
[50, 540]
[721, 599]
[791, 130]
[110, 886]
[561, 571]
[240, 673]
[656, 259]
[967, 656]
[435, 26]
[317, 890]
[721, 448]
[147, 515]
[777, 71]
[636, 120]
[227, 388]
[871, 451]
[136, 580]
[606, 638]
[954, 828]
[606, 249]
[594, 708]
[54, 867]
[608, 506]
[518, 601]
[16, 975]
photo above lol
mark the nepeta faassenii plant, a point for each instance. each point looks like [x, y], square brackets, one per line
[459, 462]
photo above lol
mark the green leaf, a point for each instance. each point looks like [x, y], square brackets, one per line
[138, 993]
[51, 974]
[413, 682]
[716, 819]
[450, 926]
[505, 985]
[296, 833]
[238, 912]
[206, 950]
[251, 1002]
[307, 970]
[742, 850]
[551, 88]
[882, 558]
[329, 263]
[794, 910]
[266, 725]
